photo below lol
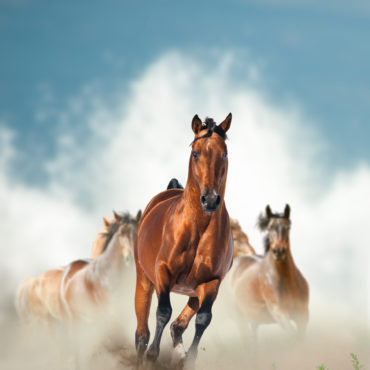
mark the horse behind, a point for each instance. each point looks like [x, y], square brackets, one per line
[270, 288]
[100, 240]
[242, 247]
[184, 244]
[72, 292]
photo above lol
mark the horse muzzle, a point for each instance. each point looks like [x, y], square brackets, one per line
[210, 202]
[279, 252]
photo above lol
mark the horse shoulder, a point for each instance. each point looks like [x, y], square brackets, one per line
[159, 198]
[302, 285]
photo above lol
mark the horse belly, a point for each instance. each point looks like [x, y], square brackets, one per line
[184, 290]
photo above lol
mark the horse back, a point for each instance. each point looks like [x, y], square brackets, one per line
[159, 198]
[38, 297]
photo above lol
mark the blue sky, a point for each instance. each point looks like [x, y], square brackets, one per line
[314, 55]
[96, 100]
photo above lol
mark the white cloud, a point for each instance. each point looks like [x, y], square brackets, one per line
[275, 157]
[38, 230]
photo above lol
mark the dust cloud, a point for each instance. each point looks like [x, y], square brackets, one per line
[107, 341]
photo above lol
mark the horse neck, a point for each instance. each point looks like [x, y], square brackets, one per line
[284, 268]
[191, 204]
[109, 263]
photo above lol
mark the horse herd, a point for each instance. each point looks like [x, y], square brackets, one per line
[184, 242]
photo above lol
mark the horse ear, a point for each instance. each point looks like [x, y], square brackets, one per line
[287, 211]
[116, 216]
[225, 125]
[138, 216]
[268, 212]
[106, 222]
[196, 124]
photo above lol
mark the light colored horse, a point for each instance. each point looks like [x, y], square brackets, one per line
[242, 246]
[74, 291]
[101, 237]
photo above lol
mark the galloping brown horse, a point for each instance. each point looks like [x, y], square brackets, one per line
[270, 288]
[184, 244]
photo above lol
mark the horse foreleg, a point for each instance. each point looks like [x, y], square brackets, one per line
[207, 294]
[164, 311]
[143, 299]
[282, 318]
[301, 321]
[179, 326]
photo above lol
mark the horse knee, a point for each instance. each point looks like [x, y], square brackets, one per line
[203, 319]
[176, 332]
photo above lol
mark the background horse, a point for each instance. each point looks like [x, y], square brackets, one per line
[270, 288]
[242, 246]
[100, 240]
[184, 244]
[53, 295]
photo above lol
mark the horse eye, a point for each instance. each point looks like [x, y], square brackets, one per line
[224, 156]
[195, 155]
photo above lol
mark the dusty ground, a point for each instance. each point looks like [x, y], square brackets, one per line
[330, 339]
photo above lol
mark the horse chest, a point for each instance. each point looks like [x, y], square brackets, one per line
[280, 287]
[193, 268]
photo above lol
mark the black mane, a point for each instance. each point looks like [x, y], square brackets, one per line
[210, 125]
[263, 220]
[174, 184]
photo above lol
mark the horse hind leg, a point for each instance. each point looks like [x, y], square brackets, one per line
[177, 329]
[143, 299]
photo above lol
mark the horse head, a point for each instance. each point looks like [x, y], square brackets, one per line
[208, 162]
[277, 226]
[126, 232]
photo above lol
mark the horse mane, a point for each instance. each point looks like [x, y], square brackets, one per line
[263, 220]
[125, 218]
[174, 184]
[266, 244]
[210, 125]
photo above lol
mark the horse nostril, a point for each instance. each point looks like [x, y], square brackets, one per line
[218, 200]
[203, 199]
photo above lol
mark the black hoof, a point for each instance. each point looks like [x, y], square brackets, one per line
[152, 354]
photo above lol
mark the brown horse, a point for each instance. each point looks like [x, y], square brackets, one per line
[270, 288]
[73, 291]
[242, 246]
[184, 244]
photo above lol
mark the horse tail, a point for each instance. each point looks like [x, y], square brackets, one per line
[174, 184]
[62, 296]
[22, 299]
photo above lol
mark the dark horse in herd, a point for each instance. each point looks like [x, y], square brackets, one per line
[184, 242]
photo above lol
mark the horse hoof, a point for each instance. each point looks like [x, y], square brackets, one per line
[178, 356]
[152, 355]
